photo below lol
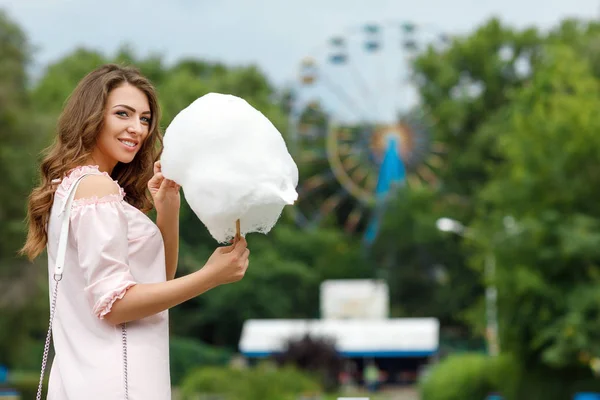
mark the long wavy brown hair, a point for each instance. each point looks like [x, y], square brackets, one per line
[78, 127]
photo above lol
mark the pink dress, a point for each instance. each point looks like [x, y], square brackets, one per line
[111, 247]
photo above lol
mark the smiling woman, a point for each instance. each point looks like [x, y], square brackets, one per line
[127, 122]
[110, 319]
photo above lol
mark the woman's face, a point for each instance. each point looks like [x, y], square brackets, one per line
[127, 120]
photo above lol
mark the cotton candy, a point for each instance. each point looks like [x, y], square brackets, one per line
[232, 163]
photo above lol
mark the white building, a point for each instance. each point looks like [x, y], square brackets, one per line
[354, 338]
[355, 315]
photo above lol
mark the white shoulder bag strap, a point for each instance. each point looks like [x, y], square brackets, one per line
[65, 214]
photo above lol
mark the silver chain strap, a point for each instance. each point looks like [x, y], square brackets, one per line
[124, 340]
[47, 344]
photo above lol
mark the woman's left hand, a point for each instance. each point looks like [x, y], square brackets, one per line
[165, 192]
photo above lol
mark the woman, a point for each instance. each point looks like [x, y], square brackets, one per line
[111, 315]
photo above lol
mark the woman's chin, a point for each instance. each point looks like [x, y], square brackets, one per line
[126, 160]
[126, 156]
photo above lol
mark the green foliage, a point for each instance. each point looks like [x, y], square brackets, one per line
[551, 384]
[419, 262]
[14, 158]
[26, 384]
[524, 143]
[474, 376]
[263, 382]
[187, 354]
[462, 86]
[469, 376]
[287, 265]
[19, 312]
[60, 78]
[547, 276]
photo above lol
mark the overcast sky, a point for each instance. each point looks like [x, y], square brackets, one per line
[274, 34]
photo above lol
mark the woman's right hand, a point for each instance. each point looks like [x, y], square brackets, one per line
[228, 264]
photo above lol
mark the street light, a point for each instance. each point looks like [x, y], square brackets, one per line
[450, 225]
[491, 293]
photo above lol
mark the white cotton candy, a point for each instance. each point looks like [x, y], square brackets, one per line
[231, 163]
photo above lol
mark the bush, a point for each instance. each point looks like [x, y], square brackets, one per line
[188, 354]
[547, 384]
[264, 382]
[474, 376]
[316, 355]
[26, 384]
[469, 376]
[30, 356]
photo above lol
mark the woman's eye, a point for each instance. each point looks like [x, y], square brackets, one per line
[146, 120]
[122, 113]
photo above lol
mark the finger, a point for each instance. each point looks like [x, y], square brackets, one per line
[246, 264]
[226, 249]
[157, 177]
[240, 245]
[157, 167]
[162, 186]
[173, 185]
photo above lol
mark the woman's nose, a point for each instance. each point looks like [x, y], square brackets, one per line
[135, 127]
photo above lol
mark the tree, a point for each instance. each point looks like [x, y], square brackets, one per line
[60, 78]
[426, 269]
[19, 308]
[466, 88]
[16, 142]
[548, 275]
[462, 85]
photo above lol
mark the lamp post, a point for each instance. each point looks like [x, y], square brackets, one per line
[491, 293]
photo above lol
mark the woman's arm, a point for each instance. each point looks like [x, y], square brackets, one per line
[101, 233]
[146, 299]
[226, 265]
[167, 201]
[169, 228]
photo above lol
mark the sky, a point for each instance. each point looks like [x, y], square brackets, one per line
[273, 34]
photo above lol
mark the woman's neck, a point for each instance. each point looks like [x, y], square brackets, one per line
[103, 164]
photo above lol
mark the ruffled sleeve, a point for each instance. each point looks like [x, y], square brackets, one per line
[100, 230]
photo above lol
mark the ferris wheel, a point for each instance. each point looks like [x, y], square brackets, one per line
[356, 129]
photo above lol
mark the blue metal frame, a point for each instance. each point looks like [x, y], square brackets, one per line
[356, 354]
[391, 173]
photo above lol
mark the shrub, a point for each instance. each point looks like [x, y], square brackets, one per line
[474, 376]
[469, 376]
[188, 354]
[548, 384]
[26, 384]
[315, 355]
[264, 382]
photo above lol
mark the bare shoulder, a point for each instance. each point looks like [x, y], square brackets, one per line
[96, 186]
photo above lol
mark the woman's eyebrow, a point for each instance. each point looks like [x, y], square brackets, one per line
[130, 108]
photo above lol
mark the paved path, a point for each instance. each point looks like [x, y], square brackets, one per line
[400, 394]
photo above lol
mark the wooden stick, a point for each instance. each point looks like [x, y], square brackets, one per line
[237, 231]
